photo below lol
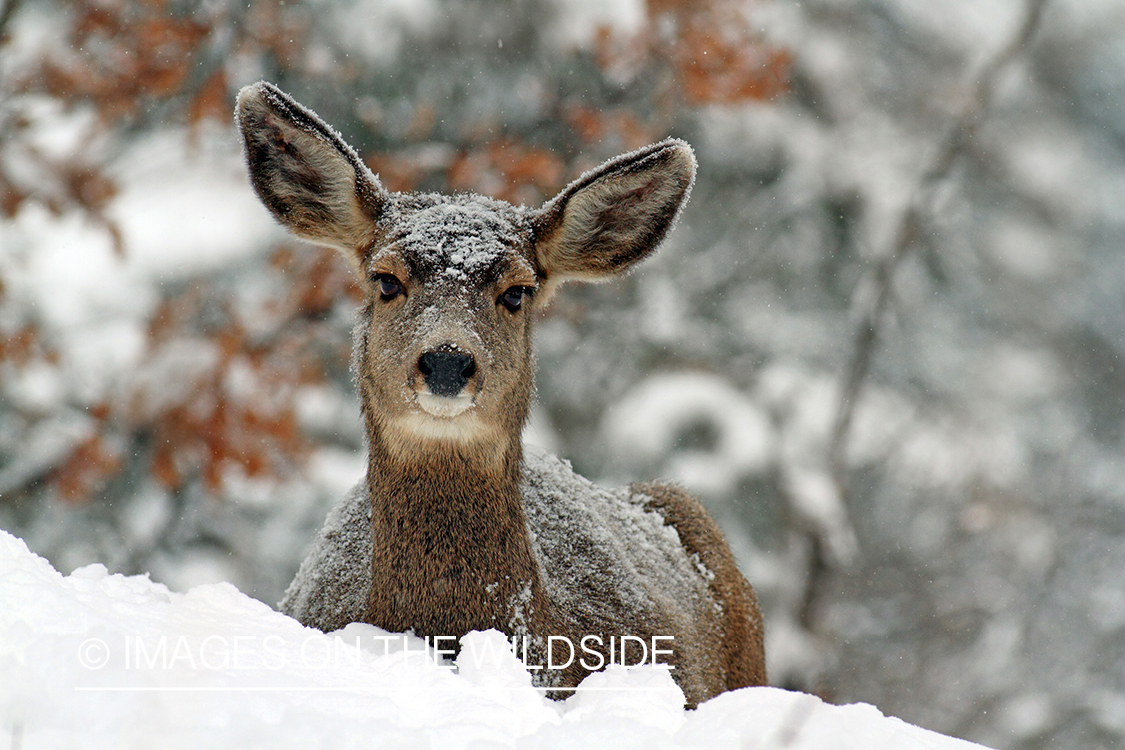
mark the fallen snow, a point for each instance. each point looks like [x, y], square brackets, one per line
[99, 660]
[646, 423]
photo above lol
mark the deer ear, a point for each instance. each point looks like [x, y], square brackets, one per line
[305, 174]
[612, 217]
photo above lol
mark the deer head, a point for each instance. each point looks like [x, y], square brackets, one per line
[443, 347]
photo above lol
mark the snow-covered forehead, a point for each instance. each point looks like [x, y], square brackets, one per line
[460, 237]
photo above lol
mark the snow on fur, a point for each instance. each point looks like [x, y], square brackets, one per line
[565, 512]
[463, 235]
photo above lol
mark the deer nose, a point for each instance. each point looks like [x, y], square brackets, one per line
[446, 372]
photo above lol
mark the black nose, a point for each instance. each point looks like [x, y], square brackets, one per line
[446, 372]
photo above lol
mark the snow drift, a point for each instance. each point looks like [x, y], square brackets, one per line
[99, 660]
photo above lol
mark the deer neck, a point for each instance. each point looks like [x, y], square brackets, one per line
[450, 546]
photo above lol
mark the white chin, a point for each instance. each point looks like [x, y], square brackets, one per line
[444, 407]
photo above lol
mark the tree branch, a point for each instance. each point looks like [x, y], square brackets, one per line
[7, 10]
[953, 145]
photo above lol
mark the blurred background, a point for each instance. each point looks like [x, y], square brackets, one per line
[884, 344]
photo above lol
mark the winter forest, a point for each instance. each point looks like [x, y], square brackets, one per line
[884, 344]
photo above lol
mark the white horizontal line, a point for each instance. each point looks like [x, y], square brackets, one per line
[266, 689]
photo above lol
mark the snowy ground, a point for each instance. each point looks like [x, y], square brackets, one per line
[99, 660]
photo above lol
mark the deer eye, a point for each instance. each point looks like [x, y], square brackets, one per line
[514, 296]
[389, 287]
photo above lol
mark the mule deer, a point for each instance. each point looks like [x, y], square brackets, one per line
[456, 526]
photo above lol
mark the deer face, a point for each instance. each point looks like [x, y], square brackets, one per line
[443, 348]
[444, 345]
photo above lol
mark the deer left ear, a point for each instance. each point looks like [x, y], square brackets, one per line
[615, 216]
[304, 172]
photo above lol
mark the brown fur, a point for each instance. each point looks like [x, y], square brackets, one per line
[450, 549]
[743, 645]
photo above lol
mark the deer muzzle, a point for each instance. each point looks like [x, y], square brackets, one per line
[448, 381]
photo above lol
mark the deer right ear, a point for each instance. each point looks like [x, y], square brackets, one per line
[614, 216]
[306, 175]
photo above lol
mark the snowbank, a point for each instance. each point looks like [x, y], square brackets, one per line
[99, 660]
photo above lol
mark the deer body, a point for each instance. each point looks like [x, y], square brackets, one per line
[455, 527]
